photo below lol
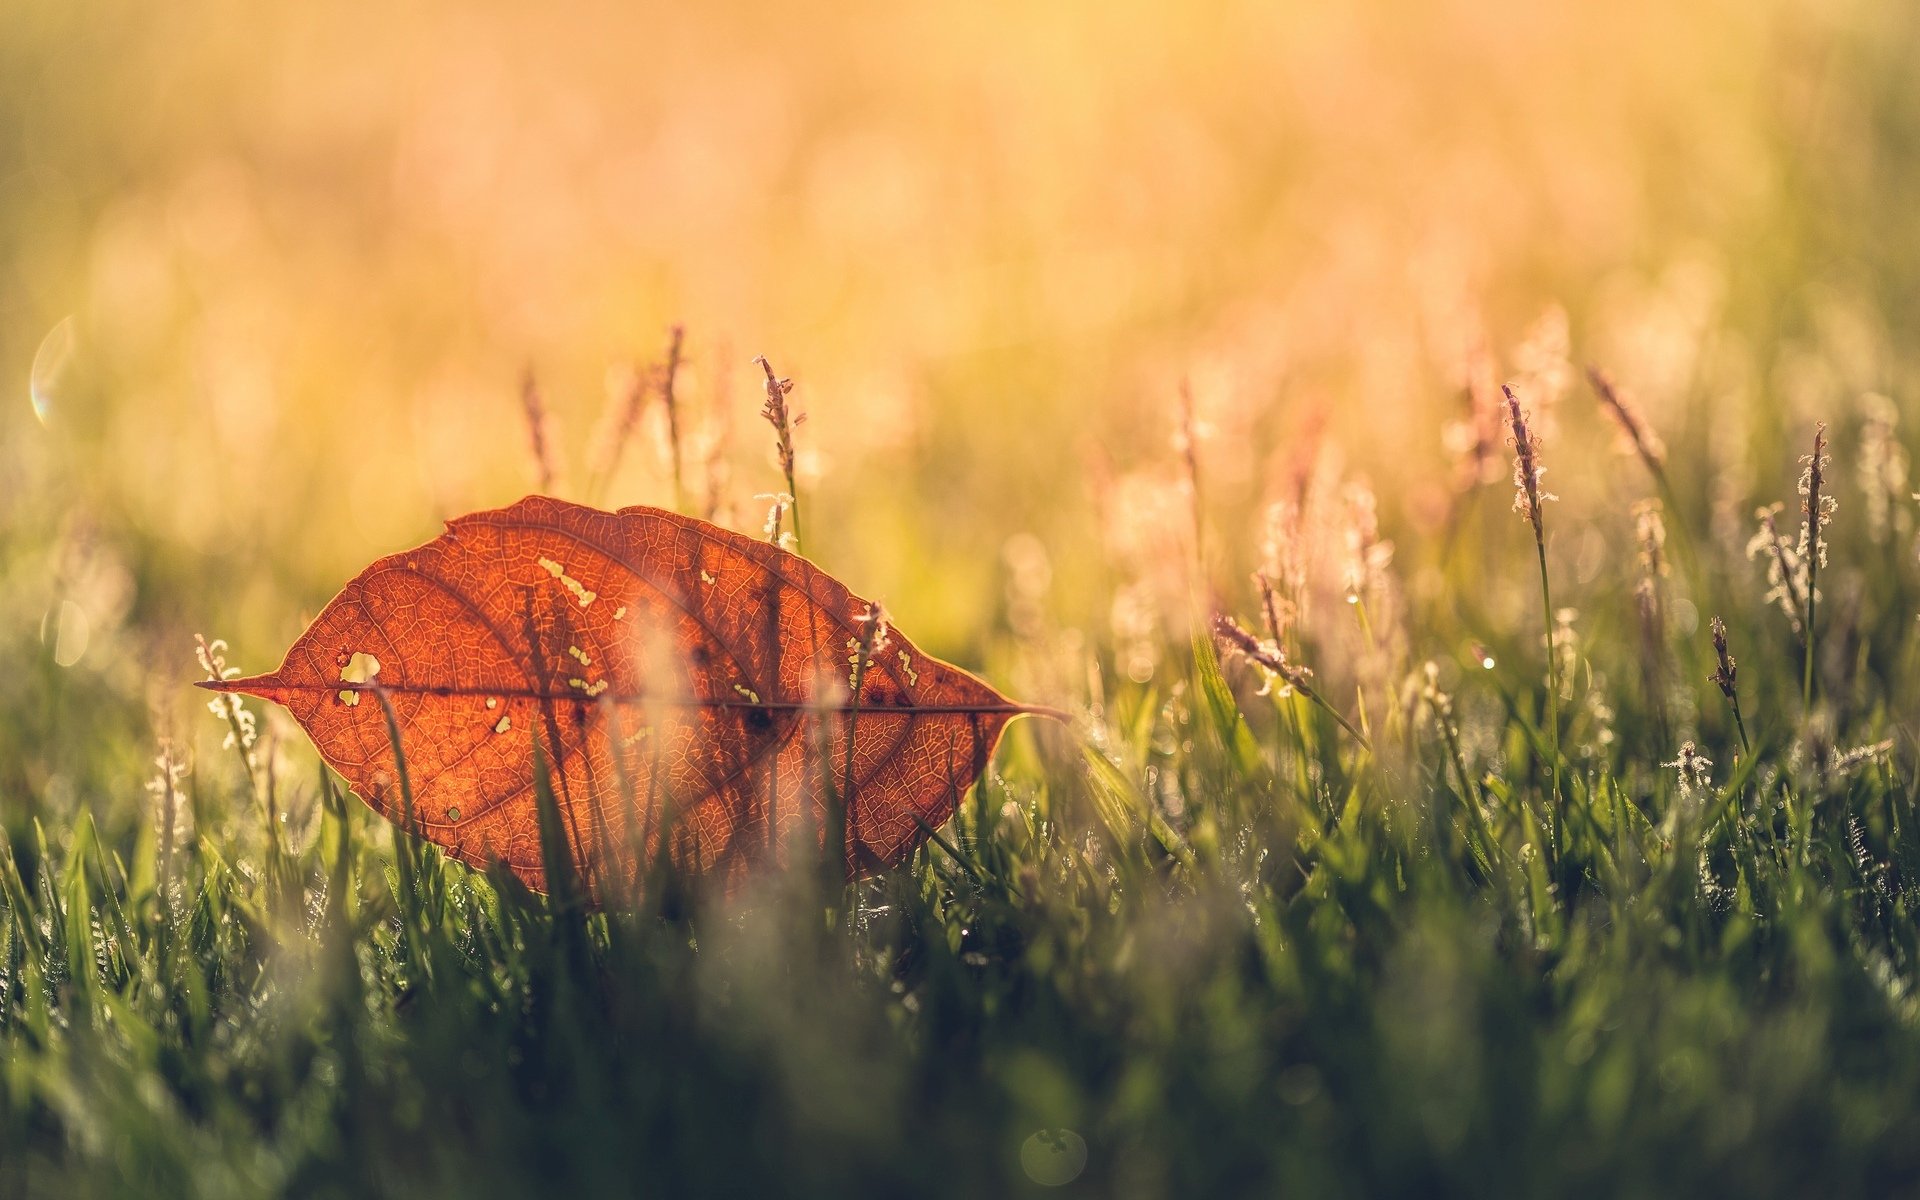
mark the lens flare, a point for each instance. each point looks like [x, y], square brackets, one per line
[49, 367]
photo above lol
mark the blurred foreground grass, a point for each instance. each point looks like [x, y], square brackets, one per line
[274, 280]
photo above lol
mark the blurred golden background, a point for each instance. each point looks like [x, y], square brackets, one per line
[269, 278]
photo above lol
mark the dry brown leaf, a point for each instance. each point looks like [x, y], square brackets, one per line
[684, 682]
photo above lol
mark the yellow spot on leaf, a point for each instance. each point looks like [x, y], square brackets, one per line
[567, 581]
[503, 724]
[752, 696]
[580, 654]
[349, 697]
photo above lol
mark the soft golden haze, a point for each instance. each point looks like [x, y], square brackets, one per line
[1368, 430]
[307, 254]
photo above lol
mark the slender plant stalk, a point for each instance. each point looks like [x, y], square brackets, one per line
[1189, 446]
[1814, 507]
[777, 415]
[1652, 453]
[1527, 500]
[1726, 675]
[1553, 685]
[1229, 632]
[534, 408]
[668, 377]
[1276, 629]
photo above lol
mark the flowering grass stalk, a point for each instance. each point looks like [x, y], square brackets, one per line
[619, 430]
[1187, 442]
[1651, 452]
[1269, 657]
[1527, 499]
[670, 400]
[1646, 443]
[1816, 509]
[534, 408]
[1726, 676]
[1785, 570]
[783, 421]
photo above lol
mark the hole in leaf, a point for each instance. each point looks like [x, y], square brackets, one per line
[361, 668]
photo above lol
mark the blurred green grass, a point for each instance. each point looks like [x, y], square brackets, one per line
[304, 258]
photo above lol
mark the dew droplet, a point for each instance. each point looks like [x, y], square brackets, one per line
[453, 814]
[1054, 1157]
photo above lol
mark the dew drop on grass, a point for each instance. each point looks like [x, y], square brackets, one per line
[1054, 1157]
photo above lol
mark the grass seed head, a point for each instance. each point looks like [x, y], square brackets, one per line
[539, 444]
[777, 414]
[1786, 567]
[1695, 770]
[1270, 657]
[1727, 673]
[1639, 436]
[1816, 503]
[1650, 532]
[1527, 493]
[1882, 469]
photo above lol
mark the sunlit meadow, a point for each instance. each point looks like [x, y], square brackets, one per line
[1466, 791]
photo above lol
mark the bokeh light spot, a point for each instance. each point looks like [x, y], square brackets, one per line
[49, 367]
